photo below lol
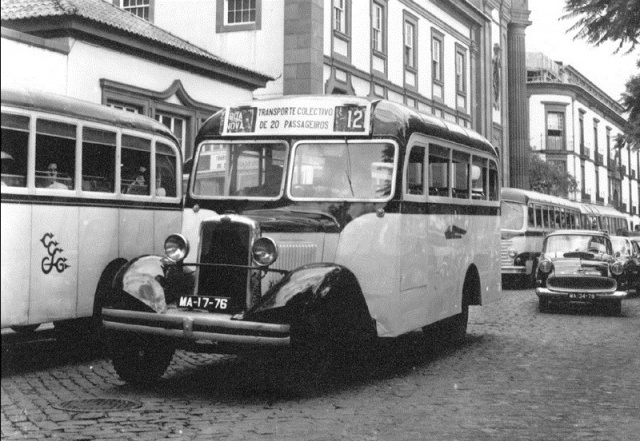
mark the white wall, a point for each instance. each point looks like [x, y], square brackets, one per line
[24, 65]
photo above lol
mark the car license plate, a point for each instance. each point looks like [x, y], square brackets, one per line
[581, 296]
[202, 302]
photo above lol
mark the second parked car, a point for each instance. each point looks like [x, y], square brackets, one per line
[579, 266]
[628, 250]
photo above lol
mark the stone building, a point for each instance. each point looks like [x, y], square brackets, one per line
[91, 50]
[577, 126]
[452, 58]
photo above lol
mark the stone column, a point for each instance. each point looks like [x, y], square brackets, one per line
[518, 101]
[303, 47]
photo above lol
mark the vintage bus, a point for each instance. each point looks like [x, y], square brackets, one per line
[526, 217]
[85, 188]
[604, 218]
[316, 224]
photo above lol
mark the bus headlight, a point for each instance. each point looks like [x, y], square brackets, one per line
[512, 253]
[545, 266]
[617, 268]
[264, 251]
[176, 247]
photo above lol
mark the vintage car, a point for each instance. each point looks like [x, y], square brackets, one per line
[579, 266]
[628, 251]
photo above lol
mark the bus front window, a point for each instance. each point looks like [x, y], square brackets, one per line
[512, 217]
[343, 171]
[240, 170]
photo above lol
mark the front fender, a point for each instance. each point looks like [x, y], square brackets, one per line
[152, 282]
[328, 293]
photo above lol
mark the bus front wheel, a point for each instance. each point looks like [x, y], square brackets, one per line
[139, 359]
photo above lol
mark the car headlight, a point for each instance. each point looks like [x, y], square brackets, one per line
[545, 266]
[617, 268]
[176, 247]
[512, 253]
[264, 251]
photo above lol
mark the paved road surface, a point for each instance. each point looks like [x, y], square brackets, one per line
[520, 375]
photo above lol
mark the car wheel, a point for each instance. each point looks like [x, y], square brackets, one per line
[544, 305]
[24, 328]
[139, 359]
[614, 307]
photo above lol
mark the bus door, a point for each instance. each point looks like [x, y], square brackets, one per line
[54, 224]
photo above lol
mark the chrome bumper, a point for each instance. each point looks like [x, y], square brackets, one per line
[514, 270]
[197, 326]
[553, 294]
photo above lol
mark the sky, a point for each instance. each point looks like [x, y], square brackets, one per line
[548, 34]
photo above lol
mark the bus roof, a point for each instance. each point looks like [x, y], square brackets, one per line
[84, 110]
[526, 196]
[601, 210]
[327, 115]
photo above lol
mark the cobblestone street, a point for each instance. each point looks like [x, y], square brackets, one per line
[520, 375]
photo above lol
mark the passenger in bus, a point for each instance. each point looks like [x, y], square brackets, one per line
[53, 178]
[7, 166]
[160, 190]
[139, 183]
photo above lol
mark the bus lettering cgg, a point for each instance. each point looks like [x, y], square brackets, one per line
[316, 225]
[85, 188]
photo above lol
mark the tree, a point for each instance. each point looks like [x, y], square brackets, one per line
[605, 20]
[631, 103]
[545, 177]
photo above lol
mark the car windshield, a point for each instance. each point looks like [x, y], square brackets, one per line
[240, 170]
[354, 170]
[621, 245]
[567, 243]
[512, 216]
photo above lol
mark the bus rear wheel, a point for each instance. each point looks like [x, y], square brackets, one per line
[139, 359]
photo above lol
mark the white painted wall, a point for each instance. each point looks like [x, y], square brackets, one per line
[24, 65]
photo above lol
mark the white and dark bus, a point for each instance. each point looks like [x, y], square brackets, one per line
[316, 224]
[526, 217]
[604, 218]
[85, 188]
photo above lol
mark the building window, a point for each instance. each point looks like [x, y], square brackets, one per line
[240, 12]
[141, 8]
[595, 136]
[461, 77]
[238, 15]
[339, 16]
[437, 68]
[177, 124]
[555, 130]
[377, 28]
[409, 39]
[183, 119]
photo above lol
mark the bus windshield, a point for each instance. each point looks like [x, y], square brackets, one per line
[354, 170]
[512, 216]
[240, 170]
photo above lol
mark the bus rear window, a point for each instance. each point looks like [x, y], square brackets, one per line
[354, 170]
[512, 216]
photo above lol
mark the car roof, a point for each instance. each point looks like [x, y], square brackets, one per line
[578, 233]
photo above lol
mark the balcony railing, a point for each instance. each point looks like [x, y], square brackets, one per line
[585, 151]
[586, 197]
[623, 207]
[623, 170]
[599, 159]
[599, 200]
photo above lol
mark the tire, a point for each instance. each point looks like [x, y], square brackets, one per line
[24, 329]
[544, 305]
[139, 359]
[613, 307]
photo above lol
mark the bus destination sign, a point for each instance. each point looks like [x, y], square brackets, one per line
[311, 119]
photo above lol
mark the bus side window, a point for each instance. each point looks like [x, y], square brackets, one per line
[478, 179]
[415, 171]
[165, 171]
[460, 173]
[539, 216]
[531, 216]
[438, 171]
[98, 160]
[136, 159]
[15, 145]
[493, 181]
[55, 154]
